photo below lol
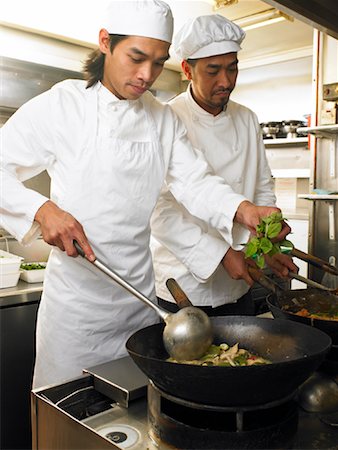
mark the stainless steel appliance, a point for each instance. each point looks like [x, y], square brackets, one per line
[108, 407]
[17, 350]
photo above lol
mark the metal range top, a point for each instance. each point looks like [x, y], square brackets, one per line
[107, 408]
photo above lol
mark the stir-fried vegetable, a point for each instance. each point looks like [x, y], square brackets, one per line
[323, 315]
[224, 355]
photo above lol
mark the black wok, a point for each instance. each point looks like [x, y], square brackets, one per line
[295, 351]
[284, 305]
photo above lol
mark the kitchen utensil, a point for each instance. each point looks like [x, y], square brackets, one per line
[187, 334]
[290, 128]
[327, 266]
[178, 294]
[319, 393]
[328, 279]
[285, 303]
[270, 129]
[312, 283]
[295, 351]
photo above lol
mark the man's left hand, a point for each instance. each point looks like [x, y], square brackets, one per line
[250, 216]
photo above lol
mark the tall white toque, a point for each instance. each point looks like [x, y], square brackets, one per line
[146, 18]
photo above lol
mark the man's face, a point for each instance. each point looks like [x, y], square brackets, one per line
[133, 66]
[213, 80]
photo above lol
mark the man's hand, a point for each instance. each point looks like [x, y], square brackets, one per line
[235, 264]
[250, 215]
[281, 264]
[60, 228]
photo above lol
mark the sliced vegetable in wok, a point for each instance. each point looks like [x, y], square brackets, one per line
[224, 355]
[313, 305]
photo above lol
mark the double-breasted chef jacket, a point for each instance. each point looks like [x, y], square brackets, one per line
[107, 159]
[192, 251]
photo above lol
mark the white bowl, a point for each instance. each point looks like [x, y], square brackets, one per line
[9, 279]
[33, 275]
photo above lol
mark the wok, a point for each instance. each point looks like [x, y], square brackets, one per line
[295, 350]
[284, 305]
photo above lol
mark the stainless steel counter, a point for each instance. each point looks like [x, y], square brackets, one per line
[23, 293]
[21, 288]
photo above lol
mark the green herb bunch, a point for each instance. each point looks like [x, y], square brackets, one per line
[261, 245]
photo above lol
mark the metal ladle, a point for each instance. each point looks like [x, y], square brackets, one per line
[312, 283]
[187, 334]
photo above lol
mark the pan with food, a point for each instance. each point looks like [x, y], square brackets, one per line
[294, 351]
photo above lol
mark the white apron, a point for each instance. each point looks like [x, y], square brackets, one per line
[84, 317]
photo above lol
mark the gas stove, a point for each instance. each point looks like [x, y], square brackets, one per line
[114, 405]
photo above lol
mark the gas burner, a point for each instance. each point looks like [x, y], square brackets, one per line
[187, 425]
[123, 435]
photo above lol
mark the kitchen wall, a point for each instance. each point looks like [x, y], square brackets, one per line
[283, 91]
[278, 91]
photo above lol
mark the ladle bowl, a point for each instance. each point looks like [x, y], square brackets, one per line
[187, 334]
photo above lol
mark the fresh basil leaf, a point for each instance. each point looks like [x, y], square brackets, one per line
[252, 247]
[274, 230]
[265, 245]
[260, 261]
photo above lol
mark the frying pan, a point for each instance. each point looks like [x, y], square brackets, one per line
[284, 304]
[295, 351]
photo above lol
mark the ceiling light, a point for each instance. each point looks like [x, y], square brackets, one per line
[222, 3]
[262, 19]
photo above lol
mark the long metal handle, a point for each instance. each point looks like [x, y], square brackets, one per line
[262, 279]
[114, 276]
[310, 282]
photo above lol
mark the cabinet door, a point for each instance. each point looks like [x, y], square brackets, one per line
[17, 325]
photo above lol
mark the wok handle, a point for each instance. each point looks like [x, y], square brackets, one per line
[178, 294]
[258, 276]
[123, 283]
[314, 261]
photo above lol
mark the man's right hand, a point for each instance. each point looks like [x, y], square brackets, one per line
[235, 264]
[60, 228]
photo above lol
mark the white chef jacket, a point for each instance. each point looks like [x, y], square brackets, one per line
[191, 252]
[108, 159]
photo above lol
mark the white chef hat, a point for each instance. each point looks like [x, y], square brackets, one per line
[207, 36]
[147, 18]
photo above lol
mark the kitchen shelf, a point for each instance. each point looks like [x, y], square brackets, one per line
[325, 197]
[284, 142]
[326, 131]
[290, 173]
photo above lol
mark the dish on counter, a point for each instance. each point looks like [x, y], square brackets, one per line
[33, 272]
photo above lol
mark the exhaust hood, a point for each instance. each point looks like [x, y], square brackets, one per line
[320, 14]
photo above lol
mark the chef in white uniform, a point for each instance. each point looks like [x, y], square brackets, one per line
[108, 150]
[209, 270]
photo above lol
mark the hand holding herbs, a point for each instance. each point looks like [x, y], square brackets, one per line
[261, 245]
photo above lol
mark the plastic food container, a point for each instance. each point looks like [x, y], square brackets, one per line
[9, 279]
[9, 269]
[9, 263]
[33, 275]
